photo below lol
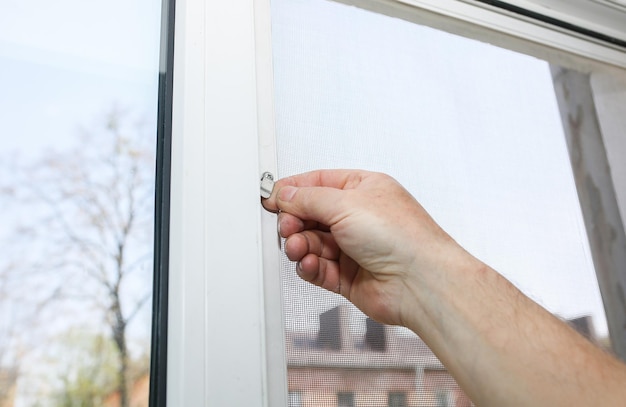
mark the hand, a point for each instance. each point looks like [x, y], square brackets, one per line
[362, 235]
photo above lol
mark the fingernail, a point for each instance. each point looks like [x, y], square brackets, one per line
[286, 193]
[299, 268]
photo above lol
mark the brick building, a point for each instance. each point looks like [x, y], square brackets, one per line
[8, 384]
[333, 367]
[138, 391]
[380, 367]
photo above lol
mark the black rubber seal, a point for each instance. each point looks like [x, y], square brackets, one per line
[555, 22]
[158, 353]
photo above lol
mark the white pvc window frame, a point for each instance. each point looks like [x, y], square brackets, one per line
[602, 16]
[225, 327]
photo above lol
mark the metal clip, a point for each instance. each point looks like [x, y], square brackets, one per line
[267, 184]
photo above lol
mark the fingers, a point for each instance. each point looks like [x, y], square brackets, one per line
[320, 204]
[289, 224]
[333, 275]
[321, 272]
[338, 179]
[318, 243]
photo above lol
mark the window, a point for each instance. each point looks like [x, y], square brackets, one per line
[396, 399]
[77, 174]
[223, 86]
[445, 399]
[345, 399]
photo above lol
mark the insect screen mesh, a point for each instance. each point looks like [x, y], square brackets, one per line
[473, 131]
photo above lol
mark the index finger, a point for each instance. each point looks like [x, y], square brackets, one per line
[340, 179]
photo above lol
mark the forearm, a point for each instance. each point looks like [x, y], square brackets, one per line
[503, 348]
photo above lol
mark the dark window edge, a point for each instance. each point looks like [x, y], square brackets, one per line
[555, 22]
[158, 353]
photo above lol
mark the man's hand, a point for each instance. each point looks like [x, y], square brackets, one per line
[364, 236]
[360, 234]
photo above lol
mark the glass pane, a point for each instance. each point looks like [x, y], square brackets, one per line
[79, 105]
[473, 131]
[396, 400]
[345, 399]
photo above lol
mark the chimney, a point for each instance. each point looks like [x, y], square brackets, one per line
[334, 333]
[375, 337]
[584, 326]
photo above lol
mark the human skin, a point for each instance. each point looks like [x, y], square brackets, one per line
[362, 235]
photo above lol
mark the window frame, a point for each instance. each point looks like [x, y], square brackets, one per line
[158, 348]
[345, 398]
[225, 338]
[485, 22]
[596, 17]
[222, 129]
[396, 397]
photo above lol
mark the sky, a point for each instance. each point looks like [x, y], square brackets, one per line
[66, 62]
[65, 65]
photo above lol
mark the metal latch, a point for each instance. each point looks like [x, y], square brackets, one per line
[267, 184]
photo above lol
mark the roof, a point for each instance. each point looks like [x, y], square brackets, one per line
[402, 351]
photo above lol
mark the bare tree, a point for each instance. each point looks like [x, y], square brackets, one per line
[11, 324]
[8, 359]
[86, 367]
[93, 213]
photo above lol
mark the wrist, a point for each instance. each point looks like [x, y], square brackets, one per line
[434, 291]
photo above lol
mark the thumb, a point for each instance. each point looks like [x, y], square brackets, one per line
[321, 204]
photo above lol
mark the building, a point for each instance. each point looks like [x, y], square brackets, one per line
[334, 367]
[8, 384]
[381, 367]
[138, 393]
